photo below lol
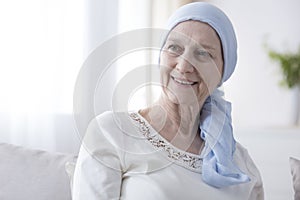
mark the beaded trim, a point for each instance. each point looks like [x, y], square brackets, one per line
[186, 159]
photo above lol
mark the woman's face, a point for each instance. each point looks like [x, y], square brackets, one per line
[191, 62]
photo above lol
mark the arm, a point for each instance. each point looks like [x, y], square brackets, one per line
[98, 170]
[257, 192]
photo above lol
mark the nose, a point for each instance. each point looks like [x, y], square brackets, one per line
[184, 65]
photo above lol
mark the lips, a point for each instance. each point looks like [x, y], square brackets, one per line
[183, 81]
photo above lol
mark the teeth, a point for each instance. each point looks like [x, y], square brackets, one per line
[183, 82]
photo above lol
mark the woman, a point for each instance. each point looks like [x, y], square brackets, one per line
[182, 147]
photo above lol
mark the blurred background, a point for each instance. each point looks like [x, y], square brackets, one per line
[44, 44]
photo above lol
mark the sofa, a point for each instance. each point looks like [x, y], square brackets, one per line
[35, 174]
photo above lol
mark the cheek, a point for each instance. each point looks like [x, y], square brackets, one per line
[166, 59]
[203, 92]
[166, 66]
[165, 74]
[220, 65]
[210, 76]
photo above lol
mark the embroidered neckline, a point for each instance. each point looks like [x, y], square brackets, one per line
[188, 160]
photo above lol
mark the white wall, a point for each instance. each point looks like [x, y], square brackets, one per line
[270, 149]
[258, 100]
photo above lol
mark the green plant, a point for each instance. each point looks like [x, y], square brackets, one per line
[290, 66]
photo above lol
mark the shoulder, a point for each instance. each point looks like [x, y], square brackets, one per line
[244, 160]
[109, 118]
[117, 128]
[247, 165]
[110, 121]
[104, 119]
[104, 136]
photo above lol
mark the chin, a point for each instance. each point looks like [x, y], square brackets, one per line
[182, 99]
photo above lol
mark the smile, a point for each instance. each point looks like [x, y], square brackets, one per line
[183, 82]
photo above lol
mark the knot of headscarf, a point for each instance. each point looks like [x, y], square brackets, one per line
[219, 169]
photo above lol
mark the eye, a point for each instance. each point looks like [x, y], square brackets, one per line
[175, 49]
[203, 54]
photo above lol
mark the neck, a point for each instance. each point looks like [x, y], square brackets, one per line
[179, 124]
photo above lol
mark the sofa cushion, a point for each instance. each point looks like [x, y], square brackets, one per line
[33, 174]
[295, 170]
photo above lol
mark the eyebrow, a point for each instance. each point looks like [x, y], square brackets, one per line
[205, 46]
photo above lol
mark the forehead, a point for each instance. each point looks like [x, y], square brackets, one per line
[199, 32]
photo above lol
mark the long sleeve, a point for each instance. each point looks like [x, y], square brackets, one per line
[257, 190]
[117, 162]
[98, 173]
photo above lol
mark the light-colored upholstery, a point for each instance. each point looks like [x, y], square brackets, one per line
[295, 170]
[33, 174]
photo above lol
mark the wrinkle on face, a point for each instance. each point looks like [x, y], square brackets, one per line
[192, 52]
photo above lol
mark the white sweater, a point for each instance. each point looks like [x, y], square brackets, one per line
[123, 157]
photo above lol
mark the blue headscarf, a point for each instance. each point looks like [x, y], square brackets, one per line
[219, 169]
